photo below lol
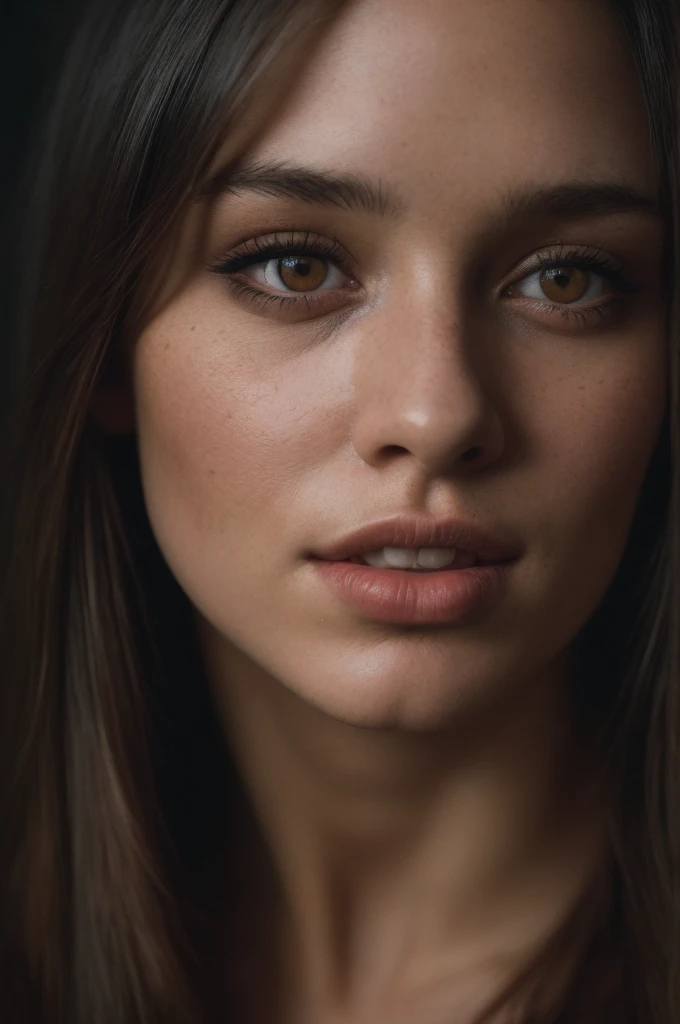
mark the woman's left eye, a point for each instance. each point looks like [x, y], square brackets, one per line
[296, 274]
[563, 284]
[575, 285]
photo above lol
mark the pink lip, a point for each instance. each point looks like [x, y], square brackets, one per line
[418, 530]
[405, 598]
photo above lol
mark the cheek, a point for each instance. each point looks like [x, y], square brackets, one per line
[597, 434]
[610, 434]
[224, 441]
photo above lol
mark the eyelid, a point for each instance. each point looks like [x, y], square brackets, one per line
[608, 268]
[278, 244]
[589, 258]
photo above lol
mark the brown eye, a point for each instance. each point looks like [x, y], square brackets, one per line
[302, 273]
[564, 284]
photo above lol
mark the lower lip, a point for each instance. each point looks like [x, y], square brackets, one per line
[416, 599]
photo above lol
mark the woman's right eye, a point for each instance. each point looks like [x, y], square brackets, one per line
[307, 273]
[296, 274]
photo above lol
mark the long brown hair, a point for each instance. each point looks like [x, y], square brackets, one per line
[116, 785]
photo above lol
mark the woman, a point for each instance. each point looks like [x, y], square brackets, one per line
[341, 563]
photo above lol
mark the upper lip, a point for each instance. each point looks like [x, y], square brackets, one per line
[421, 531]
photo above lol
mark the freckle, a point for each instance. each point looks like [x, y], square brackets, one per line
[194, 327]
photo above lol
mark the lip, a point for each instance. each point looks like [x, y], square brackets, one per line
[412, 530]
[414, 599]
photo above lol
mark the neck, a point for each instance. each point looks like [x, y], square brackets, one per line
[396, 863]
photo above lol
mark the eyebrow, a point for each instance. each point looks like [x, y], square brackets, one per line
[569, 200]
[282, 181]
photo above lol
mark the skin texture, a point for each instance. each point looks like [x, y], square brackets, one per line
[420, 798]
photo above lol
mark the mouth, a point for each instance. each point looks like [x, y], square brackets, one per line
[358, 560]
[392, 594]
[465, 561]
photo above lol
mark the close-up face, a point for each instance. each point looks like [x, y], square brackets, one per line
[409, 353]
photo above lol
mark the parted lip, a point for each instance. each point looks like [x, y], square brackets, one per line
[410, 530]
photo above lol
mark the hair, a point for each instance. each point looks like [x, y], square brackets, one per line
[117, 785]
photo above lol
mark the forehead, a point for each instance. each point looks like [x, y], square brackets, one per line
[446, 97]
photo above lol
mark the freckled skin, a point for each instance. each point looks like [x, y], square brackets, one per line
[259, 441]
[263, 435]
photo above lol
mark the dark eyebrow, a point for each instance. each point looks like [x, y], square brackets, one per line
[575, 199]
[282, 181]
[568, 200]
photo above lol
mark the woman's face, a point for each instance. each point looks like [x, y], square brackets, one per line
[427, 366]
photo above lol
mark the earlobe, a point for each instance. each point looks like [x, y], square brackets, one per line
[112, 409]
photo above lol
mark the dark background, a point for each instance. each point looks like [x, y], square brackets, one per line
[33, 35]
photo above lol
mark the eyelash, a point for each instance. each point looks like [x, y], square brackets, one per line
[279, 246]
[603, 265]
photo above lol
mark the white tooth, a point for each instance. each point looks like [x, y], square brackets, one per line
[410, 558]
[401, 558]
[375, 558]
[435, 558]
[392, 558]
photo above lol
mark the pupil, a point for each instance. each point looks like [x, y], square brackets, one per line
[299, 266]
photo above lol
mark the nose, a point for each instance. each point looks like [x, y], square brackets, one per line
[423, 386]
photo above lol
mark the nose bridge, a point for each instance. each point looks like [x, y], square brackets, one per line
[418, 381]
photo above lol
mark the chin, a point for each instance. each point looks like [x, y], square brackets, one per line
[417, 689]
